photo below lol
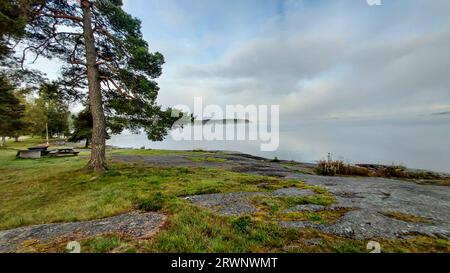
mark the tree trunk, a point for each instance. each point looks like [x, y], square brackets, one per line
[16, 139]
[3, 141]
[97, 161]
[46, 133]
[87, 143]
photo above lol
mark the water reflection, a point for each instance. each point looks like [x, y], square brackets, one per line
[417, 143]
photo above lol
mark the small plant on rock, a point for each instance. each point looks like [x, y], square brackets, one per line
[332, 167]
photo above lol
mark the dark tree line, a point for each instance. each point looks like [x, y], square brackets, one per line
[19, 116]
[11, 112]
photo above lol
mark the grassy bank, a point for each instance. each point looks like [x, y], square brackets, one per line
[52, 190]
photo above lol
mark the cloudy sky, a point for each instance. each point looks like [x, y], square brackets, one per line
[319, 60]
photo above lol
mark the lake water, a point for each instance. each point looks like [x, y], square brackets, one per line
[422, 142]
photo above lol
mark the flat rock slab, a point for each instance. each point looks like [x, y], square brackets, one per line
[292, 192]
[371, 198]
[239, 203]
[135, 225]
[233, 161]
[228, 204]
[315, 208]
[365, 224]
[379, 194]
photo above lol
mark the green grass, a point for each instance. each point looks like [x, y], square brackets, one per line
[207, 159]
[153, 203]
[278, 203]
[101, 244]
[57, 190]
[159, 152]
[198, 231]
[32, 195]
[406, 217]
[274, 208]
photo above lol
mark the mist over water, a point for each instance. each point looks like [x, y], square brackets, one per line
[422, 143]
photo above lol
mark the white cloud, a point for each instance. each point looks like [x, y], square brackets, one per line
[331, 62]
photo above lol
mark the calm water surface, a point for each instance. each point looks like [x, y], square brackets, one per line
[422, 143]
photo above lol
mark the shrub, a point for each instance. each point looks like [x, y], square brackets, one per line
[242, 224]
[315, 218]
[392, 171]
[183, 170]
[273, 205]
[275, 160]
[332, 167]
[424, 175]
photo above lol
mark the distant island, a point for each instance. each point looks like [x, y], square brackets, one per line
[442, 113]
[216, 121]
[224, 121]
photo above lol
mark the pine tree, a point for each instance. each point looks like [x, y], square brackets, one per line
[82, 127]
[13, 19]
[11, 112]
[14, 16]
[104, 51]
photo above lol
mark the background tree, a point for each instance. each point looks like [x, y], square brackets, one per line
[104, 51]
[82, 127]
[56, 109]
[57, 116]
[47, 111]
[11, 112]
[36, 118]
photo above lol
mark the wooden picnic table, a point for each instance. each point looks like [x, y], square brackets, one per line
[64, 151]
[33, 152]
[37, 152]
[42, 149]
[38, 148]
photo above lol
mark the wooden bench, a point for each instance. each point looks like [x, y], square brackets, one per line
[34, 154]
[64, 151]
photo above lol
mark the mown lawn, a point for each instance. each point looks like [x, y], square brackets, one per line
[57, 189]
[53, 190]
